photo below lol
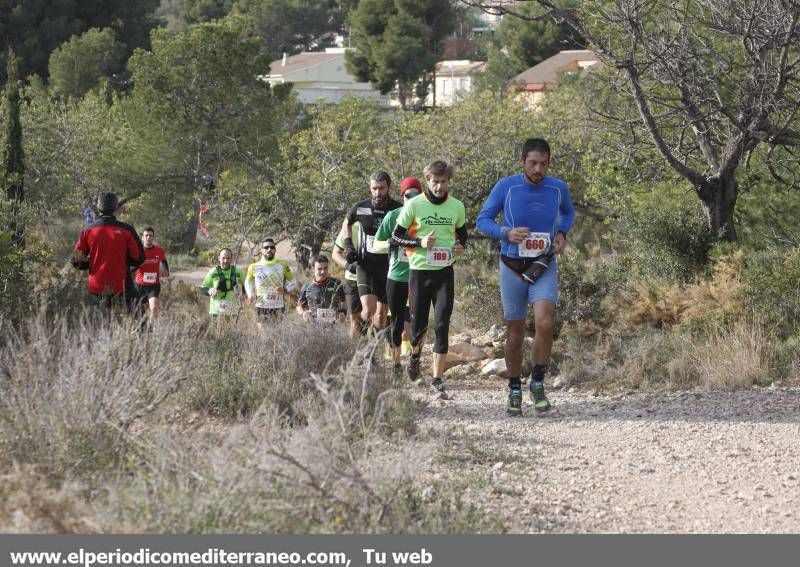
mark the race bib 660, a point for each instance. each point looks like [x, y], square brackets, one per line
[536, 244]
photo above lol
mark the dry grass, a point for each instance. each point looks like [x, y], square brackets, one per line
[735, 357]
[97, 411]
[74, 386]
[29, 504]
[668, 305]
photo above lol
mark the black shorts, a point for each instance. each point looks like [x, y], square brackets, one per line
[147, 291]
[264, 313]
[351, 297]
[371, 282]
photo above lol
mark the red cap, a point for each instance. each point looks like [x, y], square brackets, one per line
[410, 183]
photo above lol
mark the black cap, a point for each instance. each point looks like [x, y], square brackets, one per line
[107, 202]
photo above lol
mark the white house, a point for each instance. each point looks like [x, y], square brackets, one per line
[453, 78]
[321, 76]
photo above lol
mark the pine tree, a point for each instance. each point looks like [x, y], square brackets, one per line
[13, 156]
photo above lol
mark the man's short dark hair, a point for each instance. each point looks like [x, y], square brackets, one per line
[320, 259]
[535, 145]
[107, 202]
[381, 177]
[149, 229]
[263, 242]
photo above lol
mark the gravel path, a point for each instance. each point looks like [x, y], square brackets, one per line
[654, 463]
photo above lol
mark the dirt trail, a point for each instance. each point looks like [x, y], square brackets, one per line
[194, 276]
[656, 463]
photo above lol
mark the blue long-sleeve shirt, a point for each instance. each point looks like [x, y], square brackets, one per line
[544, 207]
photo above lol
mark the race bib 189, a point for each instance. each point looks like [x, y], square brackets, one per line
[326, 315]
[270, 300]
[149, 277]
[534, 245]
[440, 256]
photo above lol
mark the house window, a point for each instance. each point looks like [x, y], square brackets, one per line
[446, 86]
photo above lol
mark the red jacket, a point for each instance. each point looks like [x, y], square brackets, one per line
[112, 247]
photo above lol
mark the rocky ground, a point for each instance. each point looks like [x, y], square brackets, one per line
[696, 461]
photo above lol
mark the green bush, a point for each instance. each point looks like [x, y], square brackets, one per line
[670, 241]
[772, 289]
[583, 285]
[477, 298]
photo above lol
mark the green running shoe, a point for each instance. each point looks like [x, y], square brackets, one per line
[540, 401]
[514, 404]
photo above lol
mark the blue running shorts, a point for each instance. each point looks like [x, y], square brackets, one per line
[516, 294]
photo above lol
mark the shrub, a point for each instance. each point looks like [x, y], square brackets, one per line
[671, 242]
[584, 285]
[244, 367]
[734, 356]
[332, 474]
[772, 289]
[72, 388]
[477, 301]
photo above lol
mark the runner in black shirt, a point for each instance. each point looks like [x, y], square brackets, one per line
[372, 265]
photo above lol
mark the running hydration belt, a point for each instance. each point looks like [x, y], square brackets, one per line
[222, 284]
[529, 269]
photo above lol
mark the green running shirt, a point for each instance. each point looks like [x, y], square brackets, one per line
[422, 218]
[398, 261]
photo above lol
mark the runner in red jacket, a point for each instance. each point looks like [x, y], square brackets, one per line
[108, 248]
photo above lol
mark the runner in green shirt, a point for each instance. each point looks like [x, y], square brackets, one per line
[397, 281]
[221, 283]
[432, 227]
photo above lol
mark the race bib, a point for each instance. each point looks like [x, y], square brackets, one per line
[371, 246]
[326, 315]
[226, 307]
[440, 256]
[536, 244]
[270, 300]
[149, 277]
[401, 255]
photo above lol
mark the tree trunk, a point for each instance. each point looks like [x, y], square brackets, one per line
[718, 199]
[308, 246]
[190, 236]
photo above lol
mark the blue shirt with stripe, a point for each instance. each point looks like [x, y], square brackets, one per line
[543, 207]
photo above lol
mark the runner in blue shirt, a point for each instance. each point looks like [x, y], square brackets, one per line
[537, 215]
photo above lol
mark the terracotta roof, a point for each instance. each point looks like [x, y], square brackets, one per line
[301, 61]
[547, 71]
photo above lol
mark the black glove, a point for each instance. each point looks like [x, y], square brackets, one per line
[537, 268]
[350, 254]
[351, 267]
[83, 265]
